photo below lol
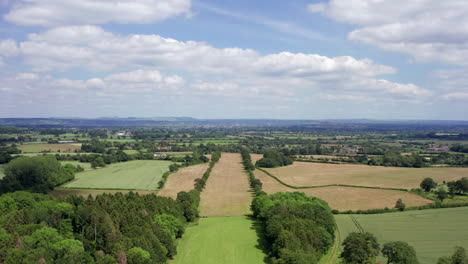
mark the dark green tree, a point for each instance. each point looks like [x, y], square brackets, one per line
[428, 184]
[399, 252]
[400, 205]
[360, 248]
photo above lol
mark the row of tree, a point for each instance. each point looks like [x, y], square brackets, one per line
[274, 158]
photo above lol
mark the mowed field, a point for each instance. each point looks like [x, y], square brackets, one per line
[58, 192]
[182, 180]
[31, 148]
[314, 174]
[347, 198]
[433, 233]
[227, 240]
[131, 175]
[227, 190]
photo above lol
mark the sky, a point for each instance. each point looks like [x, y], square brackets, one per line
[297, 59]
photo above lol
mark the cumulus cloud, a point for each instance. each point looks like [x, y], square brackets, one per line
[8, 48]
[455, 97]
[50, 13]
[429, 30]
[200, 68]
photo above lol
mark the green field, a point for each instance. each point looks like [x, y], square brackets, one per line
[1, 171]
[32, 148]
[131, 175]
[227, 240]
[433, 233]
[84, 165]
[131, 151]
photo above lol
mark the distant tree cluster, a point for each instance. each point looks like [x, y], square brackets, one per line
[6, 153]
[458, 187]
[299, 228]
[116, 228]
[37, 174]
[274, 158]
[394, 159]
[459, 256]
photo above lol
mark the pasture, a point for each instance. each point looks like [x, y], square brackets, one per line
[347, 198]
[84, 165]
[227, 240]
[227, 190]
[131, 175]
[316, 174]
[32, 148]
[433, 233]
[182, 180]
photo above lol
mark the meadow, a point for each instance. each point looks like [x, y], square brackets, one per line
[2, 174]
[31, 148]
[315, 174]
[227, 240]
[347, 198]
[433, 233]
[182, 180]
[227, 190]
[131, 175]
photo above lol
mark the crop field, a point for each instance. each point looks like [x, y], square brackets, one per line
[58, 192]
[227, 191]
[256, 157]
[31, 148]
[433, 233]
[182, 180]
[84, 165]
[131, 175]
[315, 174]
[227, 240]
[347, 198]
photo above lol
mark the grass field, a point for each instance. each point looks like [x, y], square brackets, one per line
[84, 165]
[31, 148]
[313, 174]
[131, 151]
[227, 190]
[57, 192]
[2, 174]
[433, 233]
[347, 198]
[182, 180]
[227, 240]
[131, 175]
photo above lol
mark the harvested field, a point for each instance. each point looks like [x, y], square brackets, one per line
[30, 148]
[130, 175]
[85, 192]
[182, 180]
[256, 157]
[227, 190]
[314, 174]
[347, 198]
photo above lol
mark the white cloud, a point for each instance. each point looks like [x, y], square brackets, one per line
[455, 97]
[429, 30]
[200, 68]
[8, 48]
[27, 76]
[60, 12]
[347, 97]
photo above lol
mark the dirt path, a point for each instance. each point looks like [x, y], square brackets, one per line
[227, 191]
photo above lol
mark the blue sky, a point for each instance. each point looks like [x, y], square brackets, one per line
[234, 59]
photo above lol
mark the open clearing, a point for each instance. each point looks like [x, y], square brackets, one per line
[314, 174]
[2, 174]
[227, 240]
[84, 165]
[347, 198]
[131, 175]
[85, 192]
[433, 233]
[182, 180]
[31, 148]
[227, 190]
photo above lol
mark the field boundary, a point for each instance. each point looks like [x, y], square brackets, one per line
[329, 185]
